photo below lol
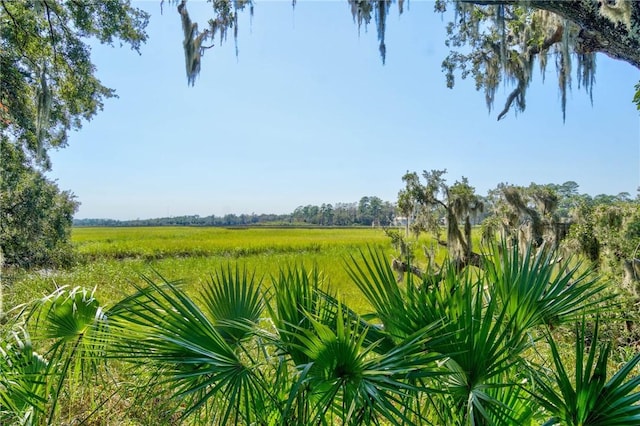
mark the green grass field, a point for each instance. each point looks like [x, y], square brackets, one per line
[113, 259]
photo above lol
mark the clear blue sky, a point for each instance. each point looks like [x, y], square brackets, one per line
[307, 114]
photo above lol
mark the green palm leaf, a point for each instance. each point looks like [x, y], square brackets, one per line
[162, 327]
[473, 329]
[23, 380]
[588, 398]
[297, 298]
[232, 297]
[483, 353]
[537, 290]
[347, 380]
[75, 324]
[374, 277]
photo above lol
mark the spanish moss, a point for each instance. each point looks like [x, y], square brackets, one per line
[496, 43]
[43, 112]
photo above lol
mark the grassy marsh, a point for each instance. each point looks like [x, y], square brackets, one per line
[112, 259]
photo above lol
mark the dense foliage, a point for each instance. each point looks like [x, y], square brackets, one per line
[36, 216]
[604, 228]
[48, 81]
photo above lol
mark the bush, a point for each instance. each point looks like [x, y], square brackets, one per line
[35, 215]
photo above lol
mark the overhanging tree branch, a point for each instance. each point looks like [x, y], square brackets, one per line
[532, 51]
[612, 29]
[51, 32]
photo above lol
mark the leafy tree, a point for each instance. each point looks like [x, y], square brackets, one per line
[47, 88]
[368, 211]
[500, 41]
[569, 199]
[607, 230]
[435, 202]
[35, 215]
[581, 235]
[374, 211]
[345, 214]
[568, 189]
[48, 82]
[495, 42]
[525, 215]
[326, 210]
[617, 228]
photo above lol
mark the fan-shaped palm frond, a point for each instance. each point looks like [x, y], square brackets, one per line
[297, 297]
[76, 325]
[588, 398]
[483, 353]
[348, 380]
[161, 326]
[375, 278]
[473, 330]
[536, 290]
[232, 297]
[23, 380]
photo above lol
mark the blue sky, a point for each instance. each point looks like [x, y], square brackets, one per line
[307, 114]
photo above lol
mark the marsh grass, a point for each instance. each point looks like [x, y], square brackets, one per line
[113, 259]
[163, 242]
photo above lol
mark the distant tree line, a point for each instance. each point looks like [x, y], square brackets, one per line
[369, 211]
[190, 220]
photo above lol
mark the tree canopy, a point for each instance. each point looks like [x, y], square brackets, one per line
[48, 82]
[495, 42]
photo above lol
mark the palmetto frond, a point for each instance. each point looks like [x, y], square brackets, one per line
[72, 319]
[23, 380]
[231, 297]
[375, 278]
[297, 299]
[536, 290]
[346, 379]
[470, 327]
[484, 354]
[161, 326]
[588, 398]
[76, 326]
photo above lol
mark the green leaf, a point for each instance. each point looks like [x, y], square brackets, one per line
[587, 399]
[160, 326]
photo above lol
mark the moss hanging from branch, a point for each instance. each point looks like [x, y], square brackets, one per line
[43, 111]
[192, 44]
[226, 18]
[496, 42]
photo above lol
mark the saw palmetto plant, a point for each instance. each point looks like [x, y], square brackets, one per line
[471, 346]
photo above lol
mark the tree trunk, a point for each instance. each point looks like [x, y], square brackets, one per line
[631, 280]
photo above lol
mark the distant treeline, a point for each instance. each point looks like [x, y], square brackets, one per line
[367, 212]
